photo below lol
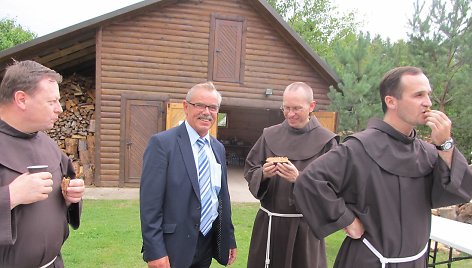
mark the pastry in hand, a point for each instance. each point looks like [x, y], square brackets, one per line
[277, 159]
[64, 184]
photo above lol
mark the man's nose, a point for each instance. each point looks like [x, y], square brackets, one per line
[428, 101]
[58, 108]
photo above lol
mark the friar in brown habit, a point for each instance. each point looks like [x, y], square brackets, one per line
[34, 210]
[280, 234]
[380, 184]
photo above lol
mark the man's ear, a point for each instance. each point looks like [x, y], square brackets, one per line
[20, 99]
[312, 106]
[391, 102]
[185, 106]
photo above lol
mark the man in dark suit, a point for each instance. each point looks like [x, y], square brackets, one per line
[184, 199]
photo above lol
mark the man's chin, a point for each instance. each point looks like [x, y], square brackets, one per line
[203, 128]
[48, 127]
[294, 124]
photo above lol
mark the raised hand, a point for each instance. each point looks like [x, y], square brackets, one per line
[30, 188]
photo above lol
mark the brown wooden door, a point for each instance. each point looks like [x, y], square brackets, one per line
[143, 119]
[227, 49]
[327, 119]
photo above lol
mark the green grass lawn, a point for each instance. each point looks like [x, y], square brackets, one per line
[110, 236]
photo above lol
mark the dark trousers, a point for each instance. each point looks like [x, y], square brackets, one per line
[204, 251]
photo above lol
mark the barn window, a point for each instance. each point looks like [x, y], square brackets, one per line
[222, 120]
[227, 49]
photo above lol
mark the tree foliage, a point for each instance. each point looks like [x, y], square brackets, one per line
[318, 22]
[440, 43]
[12, 34]
[360, 64]
[437, 42]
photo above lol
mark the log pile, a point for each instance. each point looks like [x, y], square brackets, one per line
[461, 212]
[74, 132]
[464, 213]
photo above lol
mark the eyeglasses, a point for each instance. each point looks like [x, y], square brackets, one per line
[201, 107]
[287, 109]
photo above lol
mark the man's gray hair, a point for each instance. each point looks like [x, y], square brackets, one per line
[206, 85]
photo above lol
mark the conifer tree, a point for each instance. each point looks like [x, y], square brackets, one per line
[440, 43]
[361, 65]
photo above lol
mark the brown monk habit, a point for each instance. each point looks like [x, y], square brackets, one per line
[32, 235]
[390, 182]
[292, 243]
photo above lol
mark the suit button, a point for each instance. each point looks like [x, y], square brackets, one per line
[196, 226]
[198, 208]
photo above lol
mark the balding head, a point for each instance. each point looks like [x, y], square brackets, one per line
[306, 89]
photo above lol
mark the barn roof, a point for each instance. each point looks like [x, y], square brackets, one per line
[72, 49]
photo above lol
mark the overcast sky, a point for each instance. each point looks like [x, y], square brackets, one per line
[385, 17]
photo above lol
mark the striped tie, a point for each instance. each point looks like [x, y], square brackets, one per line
[205, 185]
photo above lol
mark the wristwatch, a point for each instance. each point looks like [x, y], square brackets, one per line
[446, 146]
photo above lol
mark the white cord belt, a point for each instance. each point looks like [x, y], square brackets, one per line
[384, 260]
[269, 229]
[49, 263]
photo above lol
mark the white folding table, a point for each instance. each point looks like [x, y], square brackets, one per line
[454, 234]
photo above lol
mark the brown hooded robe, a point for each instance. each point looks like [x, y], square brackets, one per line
[292, 243]
[32, 235]
[390, 182]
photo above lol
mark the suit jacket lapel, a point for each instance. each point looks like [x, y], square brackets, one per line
[187, 154]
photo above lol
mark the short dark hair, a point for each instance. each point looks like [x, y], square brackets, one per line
[390, 84]
[24, 75]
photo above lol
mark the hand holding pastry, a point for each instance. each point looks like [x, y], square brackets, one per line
[280, 165]
[269, 169]
[287, 171]
[73, 190]
[440, 126]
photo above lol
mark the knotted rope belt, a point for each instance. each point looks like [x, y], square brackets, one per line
[269, 229]
[49, 263]
[384, 260]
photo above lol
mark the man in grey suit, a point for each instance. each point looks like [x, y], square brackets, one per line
[184, 199]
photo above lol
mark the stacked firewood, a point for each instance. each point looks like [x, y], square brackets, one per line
[464, 213]
[74, 132]
[461, 212]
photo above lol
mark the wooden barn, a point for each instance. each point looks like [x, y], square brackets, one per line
[142, 59]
